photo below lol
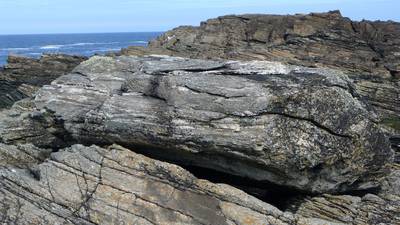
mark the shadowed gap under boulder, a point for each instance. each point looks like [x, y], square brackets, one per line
[276, 195]
[282, 197]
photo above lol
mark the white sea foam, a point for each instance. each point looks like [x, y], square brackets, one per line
[139, 42]
[81, 44]
[51, 46]
[102, 50]
[76, 44]
[15, 49]
[91, 43]
[34, 53]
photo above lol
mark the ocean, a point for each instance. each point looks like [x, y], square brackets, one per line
[76, 44]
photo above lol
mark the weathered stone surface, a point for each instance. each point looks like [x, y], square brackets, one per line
[22, 76]
[289, 125]
[82, 185]
[368, 51]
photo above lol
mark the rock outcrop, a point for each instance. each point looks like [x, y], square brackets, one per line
[317, 39]
[289, 125]
[369, 52]
[22, 76]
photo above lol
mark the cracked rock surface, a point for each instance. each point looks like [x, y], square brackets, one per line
[293, 126]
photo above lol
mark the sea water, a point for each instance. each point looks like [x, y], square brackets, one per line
[34, 45]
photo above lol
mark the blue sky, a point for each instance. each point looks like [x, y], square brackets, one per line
[86, 16]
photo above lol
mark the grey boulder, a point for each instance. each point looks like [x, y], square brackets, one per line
[293, 126]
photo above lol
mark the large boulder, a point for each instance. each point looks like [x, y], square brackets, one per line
[293, 126]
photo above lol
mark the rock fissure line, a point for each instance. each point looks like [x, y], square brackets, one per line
[315, 123]
[49, 201]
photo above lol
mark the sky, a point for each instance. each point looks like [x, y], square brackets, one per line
[96, 16]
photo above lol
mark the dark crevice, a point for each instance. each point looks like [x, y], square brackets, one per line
[362, 193]
[80, 73]
[195, 70]
[279, 196]
[282, 197]
[241, 18]
[212, 94]
[395, 144]
[395, 74]
[256, 41]
[353, 27]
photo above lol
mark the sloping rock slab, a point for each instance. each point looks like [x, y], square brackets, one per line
[93, 185]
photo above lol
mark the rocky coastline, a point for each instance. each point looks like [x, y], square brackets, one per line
[250, 119]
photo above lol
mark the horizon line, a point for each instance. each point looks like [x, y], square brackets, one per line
[105, 32]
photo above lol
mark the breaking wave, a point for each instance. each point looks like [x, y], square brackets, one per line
[15, 49]
[51, 46]
[77, 44]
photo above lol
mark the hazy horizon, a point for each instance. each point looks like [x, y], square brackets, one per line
[26, 17]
